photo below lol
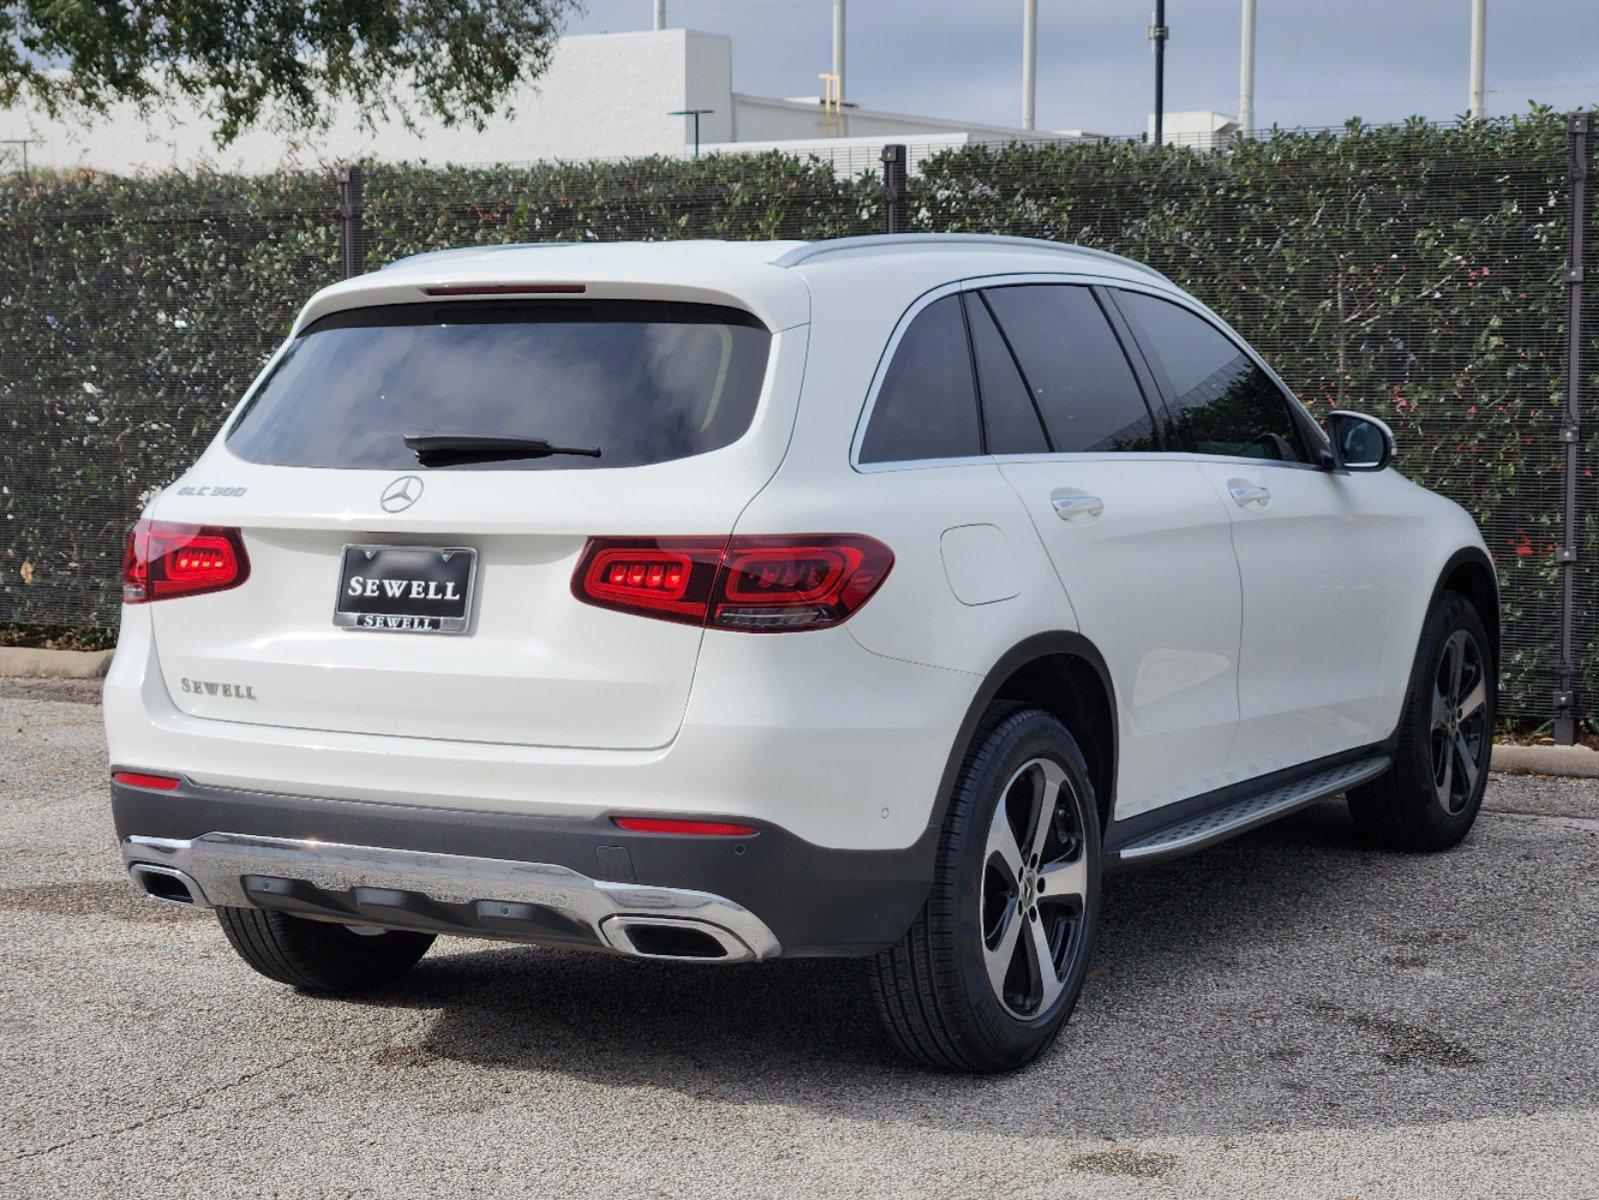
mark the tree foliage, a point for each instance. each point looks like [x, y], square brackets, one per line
[245, 61]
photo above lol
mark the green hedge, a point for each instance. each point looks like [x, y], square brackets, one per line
[1412, 271]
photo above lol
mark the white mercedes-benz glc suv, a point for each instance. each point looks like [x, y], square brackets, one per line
[718, 601]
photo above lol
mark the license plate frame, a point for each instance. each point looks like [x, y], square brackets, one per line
[405, 611]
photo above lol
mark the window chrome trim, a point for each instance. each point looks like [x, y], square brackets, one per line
[970, 284]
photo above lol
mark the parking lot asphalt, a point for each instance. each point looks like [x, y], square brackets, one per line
[1289, 1015]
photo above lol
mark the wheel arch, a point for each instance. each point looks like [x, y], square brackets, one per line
[1470, 572]
[1064, 674]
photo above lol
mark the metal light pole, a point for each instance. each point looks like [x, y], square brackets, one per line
[1029, 62]
[838, 47]
[1158, 33]
[1246, 72]
[1477, 105]
[660, 14]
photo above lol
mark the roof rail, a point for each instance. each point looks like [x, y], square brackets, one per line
[884, 241]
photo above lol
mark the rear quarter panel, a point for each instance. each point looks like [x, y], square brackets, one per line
[917, 615]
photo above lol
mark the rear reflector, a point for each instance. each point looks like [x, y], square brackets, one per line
[690, 828]
[754, 584]
[164, 560]
[509, 289]
[159, 783]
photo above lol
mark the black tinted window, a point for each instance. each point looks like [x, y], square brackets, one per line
[927, 406]
[1075, 366]
[1227, 404]
[644, 382]
[1009, 419]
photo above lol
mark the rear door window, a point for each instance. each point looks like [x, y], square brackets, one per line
[1223, 401]
[644, 382]
[927, 404]
[1010, 418]
[1075, 368]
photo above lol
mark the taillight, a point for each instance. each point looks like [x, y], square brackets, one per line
[164, 560]
[669, 578]
[756, 584]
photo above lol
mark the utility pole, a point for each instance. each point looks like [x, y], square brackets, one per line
[1158, 33]
[24, 143]
[1029, 62]
[660, 14]
[1246, 73]
[1477, 107]
[838, 47]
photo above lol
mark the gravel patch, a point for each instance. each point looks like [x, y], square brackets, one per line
[1288, 1015]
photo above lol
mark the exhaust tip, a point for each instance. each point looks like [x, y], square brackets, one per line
[681, 939]
[167, 884]
[668, 941]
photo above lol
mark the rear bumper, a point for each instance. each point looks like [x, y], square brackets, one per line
[809, 733]
[553, 880]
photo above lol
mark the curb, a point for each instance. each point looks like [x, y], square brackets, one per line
[53, 664]
[1577, 762]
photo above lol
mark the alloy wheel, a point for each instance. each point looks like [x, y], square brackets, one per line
[1035, 887]
[1460, 733]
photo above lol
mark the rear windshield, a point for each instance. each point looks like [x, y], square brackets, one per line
[642, 382]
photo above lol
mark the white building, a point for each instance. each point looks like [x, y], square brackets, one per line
[1203, 130]
[603, 96]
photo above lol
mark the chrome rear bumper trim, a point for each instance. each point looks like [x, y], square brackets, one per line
[218, 862]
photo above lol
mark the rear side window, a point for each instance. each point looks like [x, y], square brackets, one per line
[645, 382]
[1224, 401]
[1075, 368]
[927, 405]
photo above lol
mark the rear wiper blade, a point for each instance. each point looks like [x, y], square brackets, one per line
[445, 449]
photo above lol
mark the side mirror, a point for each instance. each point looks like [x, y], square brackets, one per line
[1362, 443]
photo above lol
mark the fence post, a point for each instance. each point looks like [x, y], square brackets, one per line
[352, 237]
[894, 187]
[1580, 128]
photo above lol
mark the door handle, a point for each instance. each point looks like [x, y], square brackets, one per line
[1072, 505]
[1248, 495]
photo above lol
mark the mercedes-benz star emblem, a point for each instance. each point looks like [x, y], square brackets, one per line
[401, 494]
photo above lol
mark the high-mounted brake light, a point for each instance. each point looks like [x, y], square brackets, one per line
[756, 584]
[164, 560]
[689, 828]
[509, 289]
[159, 783]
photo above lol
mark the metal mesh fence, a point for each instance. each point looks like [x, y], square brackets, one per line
[1415, 272]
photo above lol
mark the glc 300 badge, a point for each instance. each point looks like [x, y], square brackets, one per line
[401, 494]
[207, 489]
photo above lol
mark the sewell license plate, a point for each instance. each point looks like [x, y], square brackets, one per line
[408, 589]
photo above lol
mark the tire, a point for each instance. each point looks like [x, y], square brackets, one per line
[1428, 800]
[933, 989]
[317, 956]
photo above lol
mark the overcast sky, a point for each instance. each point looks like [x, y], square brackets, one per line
[1318, 62]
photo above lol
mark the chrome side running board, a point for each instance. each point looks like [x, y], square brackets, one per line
[1218, 824]
[446, 893]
